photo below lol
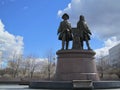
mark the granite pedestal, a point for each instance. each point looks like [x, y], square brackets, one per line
[76, 65]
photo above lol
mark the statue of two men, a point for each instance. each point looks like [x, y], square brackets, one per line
[66, 35]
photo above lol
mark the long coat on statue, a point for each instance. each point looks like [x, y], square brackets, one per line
[65, 31]
[84, 31]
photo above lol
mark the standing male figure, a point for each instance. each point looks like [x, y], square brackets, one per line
[84, 32]
[64, 31]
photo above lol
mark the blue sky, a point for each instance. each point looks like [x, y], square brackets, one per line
[35, 22]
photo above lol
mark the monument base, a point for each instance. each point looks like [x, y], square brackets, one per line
[76, 65]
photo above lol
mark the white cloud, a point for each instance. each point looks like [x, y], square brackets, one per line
[42, 60]
[25, 7]
[102, 16]
[109, 43]
[9, 43]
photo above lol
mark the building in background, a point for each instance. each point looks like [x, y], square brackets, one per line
[114, 54]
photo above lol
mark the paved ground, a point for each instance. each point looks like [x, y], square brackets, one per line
[25, 87]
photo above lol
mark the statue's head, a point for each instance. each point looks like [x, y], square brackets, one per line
[82, 18]
[65, 16]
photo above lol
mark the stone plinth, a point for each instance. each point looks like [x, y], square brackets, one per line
[76, 65]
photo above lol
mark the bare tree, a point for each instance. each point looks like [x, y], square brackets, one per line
[24, 67]
[116, 69]
[14, 64]
[31, 64]
[103, 66]
[51, 62]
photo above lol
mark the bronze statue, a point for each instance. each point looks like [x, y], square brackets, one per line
[64, 31]
[84, 32]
